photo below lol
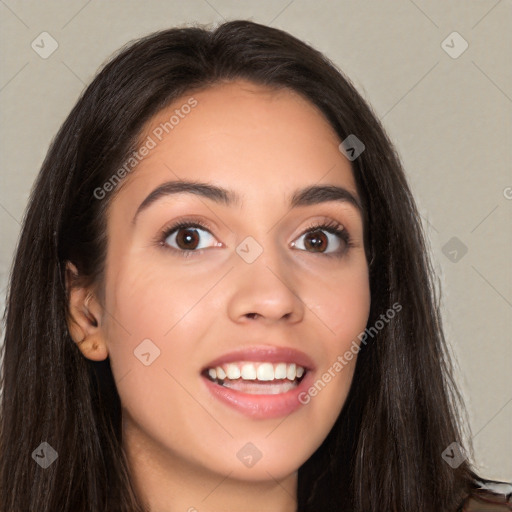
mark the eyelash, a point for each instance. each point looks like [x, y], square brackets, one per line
[330, 226]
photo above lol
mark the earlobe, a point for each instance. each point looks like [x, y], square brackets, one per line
[84, 318]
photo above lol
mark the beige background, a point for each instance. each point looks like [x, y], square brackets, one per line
[449, 117]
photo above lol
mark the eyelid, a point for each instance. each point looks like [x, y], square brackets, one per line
[325, 224]
[186, 222]
[333, 227]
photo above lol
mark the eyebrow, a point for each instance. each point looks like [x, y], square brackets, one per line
[314, 194]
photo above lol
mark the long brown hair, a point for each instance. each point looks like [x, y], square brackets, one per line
[385, 450]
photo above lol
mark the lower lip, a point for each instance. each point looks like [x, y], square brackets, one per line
[261, 406]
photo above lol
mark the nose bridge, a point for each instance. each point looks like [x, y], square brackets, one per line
[264, 283]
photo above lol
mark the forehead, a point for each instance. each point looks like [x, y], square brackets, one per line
[241, 101]
[243, 136]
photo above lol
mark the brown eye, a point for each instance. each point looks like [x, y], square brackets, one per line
[316, 241]
[329, 239]
[187, 238]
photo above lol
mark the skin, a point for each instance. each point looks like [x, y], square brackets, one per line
[181, 442]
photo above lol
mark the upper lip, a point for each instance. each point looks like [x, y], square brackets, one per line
[264, 353]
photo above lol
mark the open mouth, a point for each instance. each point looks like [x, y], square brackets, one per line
[257, 378]
[260, 382]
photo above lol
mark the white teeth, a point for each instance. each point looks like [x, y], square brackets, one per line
[291, 372]
[263, 371]
[232, 371]
[248, 372]
[280, 371]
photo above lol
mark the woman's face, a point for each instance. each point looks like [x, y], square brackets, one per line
[247, 292]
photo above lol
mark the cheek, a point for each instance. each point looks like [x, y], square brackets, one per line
[150, 310]
[342, 305]
[149, 300]
[155, 324]
[341, 302]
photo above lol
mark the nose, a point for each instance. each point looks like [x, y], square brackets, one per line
[265, 291]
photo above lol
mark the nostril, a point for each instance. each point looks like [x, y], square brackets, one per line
[252, 315]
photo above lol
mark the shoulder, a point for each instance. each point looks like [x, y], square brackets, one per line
[489, 496]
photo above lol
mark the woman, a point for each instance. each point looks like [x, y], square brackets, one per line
[222, 300]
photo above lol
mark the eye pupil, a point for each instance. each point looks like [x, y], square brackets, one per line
[314, 241]
[190, 236]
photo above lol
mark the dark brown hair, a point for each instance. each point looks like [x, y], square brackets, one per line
[383, 453]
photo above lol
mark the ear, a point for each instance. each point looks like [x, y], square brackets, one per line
[84, 318]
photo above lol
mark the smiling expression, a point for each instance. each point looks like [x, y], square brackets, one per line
[215, 265]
